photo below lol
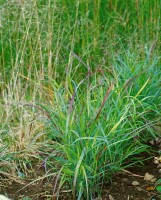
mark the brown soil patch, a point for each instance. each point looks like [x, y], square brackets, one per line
[121, 187]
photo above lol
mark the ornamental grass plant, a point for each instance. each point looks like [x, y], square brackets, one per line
[79, 88]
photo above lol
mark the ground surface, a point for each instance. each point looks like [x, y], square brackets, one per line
[121, 187]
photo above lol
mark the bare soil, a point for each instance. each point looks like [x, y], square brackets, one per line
[121, 187]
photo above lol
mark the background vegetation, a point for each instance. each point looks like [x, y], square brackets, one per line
[80, 88]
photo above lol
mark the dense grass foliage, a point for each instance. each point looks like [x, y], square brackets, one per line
[80, 88]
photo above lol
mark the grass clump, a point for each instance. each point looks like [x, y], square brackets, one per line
[96, 68]
[102, 127]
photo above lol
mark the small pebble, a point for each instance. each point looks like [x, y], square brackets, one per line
[135, 183]
[153, 180]
[148, 177]
[110, 197]
[159, 165]
[156, 161]
[159, 171]
[125, 180]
